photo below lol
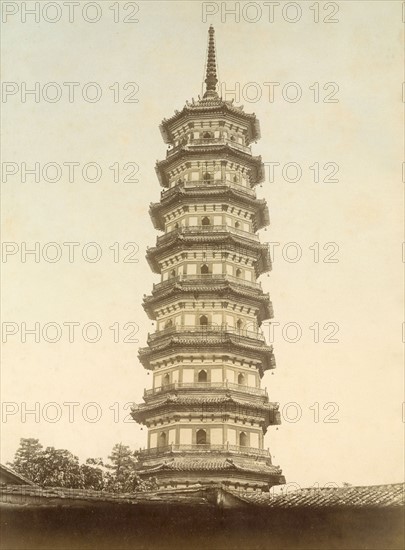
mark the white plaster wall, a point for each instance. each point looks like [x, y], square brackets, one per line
[217, 319]
[172, 437]
[186, 436]
[189, 319]
[230, 375]
[216, 375]
[251, 380]
[216, 437]
[231, 436]
[153, 440]
[188, 376]
[254, 440]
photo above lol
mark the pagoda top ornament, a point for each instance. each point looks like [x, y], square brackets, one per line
[211, 79]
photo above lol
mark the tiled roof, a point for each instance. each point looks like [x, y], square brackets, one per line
[220, 399]
[198, 464]
[360, 496]
[193, 464]
[225, 150]
[22, 494]
[207, 400]
[214, 105]
[214, 338]
[374, 496]
[13, 477]
[211, 286]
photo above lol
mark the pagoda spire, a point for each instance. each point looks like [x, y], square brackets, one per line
[211, 79]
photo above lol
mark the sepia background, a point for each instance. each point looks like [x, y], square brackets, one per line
[359, 378]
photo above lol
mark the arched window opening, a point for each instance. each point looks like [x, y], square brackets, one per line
[176, 225]
[238, 272]
[237, 225]
[232, 138]
[241, 379]
[204, 269]
[207, 135]
[239, 324]
[166, 380]
[203, 320]
[202, 376]
[162, 439]
[201, 437]
[205, 221]
[207, 176]
[172, 274]
[242, 439]
[235, 179]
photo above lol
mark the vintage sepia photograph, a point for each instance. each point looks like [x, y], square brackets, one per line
[202, 261]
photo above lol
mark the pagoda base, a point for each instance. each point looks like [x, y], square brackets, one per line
[180, 470]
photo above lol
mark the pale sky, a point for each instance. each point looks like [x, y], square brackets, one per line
[358, 380]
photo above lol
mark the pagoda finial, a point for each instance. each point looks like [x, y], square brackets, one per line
[211, 75]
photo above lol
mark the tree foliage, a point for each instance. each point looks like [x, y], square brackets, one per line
[27, 459]
[121, 476]
[60, 468]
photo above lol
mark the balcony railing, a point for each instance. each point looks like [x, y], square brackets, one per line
[205, 448]
[196, 229]
[203, 278]
[206, 330]
[210, 183]
[210, 141]
[205, 386]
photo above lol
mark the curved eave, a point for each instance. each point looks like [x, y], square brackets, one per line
[262, 218]
[268, 412]
[192, 111]
[181, 290]
[157, 210]
[179, 243]
[224, 468]
[187, 153]
[262, 353]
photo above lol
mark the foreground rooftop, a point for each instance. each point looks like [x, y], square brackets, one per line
[374, 496]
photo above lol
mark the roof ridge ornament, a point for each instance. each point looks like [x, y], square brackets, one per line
[211, 79]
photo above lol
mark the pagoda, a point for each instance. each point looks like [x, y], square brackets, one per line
[207, 413]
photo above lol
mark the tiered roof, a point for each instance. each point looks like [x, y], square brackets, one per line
[219, 151]
[179, 196]
[261, 408]
[225, 343]
[193, 464]
[227, 289]
[210, 106]
[174, 242]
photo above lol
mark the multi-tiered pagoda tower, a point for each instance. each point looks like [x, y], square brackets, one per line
[206, 413]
